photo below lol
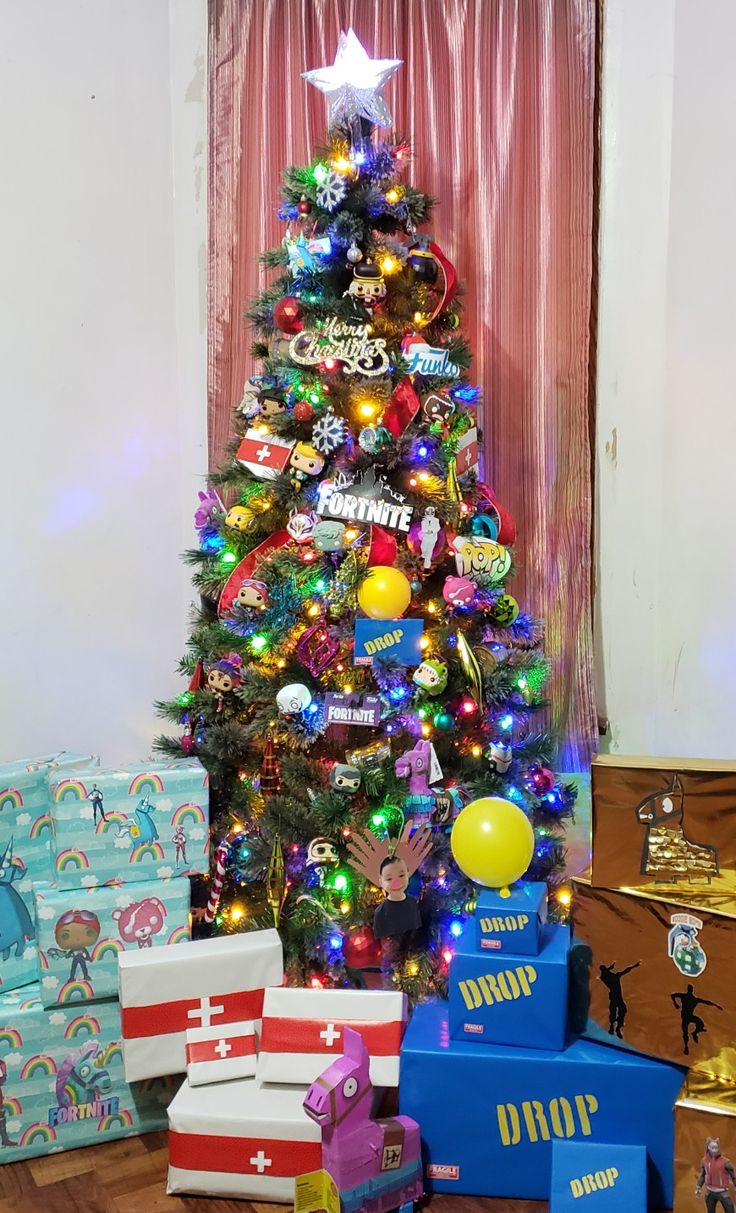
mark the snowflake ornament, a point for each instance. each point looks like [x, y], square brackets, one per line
[328, 433]
[331, 191]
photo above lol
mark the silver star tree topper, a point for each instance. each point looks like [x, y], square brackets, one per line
[353, 83]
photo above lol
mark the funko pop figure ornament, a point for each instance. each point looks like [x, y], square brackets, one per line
[304, 462]
[389, 864]
[329, 536]
[344, 778]
[426, 538]
[368, 286]
[252, 593]
[240, 518]
[431, 676]
[301, 526]
[459, 591]
[271, 402]
[223, 676]
[499, 757]
[321, 852]
[293, 699]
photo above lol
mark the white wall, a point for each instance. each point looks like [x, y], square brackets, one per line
[102, 364]
[667, 379]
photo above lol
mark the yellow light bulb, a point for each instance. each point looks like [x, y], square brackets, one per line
[424, 642]
[344, 907]
[351, 534]
[426, 730]
[392, 196]
[424, 476]
[564, 897]
[348, 688]
[281, 663]
[412, 968]
[367, 410]
[237, 913]
[262, 429]
[342, 164]
[476, 751]
[431, 607]
[389, 264]
[418, 317]
[313, 610]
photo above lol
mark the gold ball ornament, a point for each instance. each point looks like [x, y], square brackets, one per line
[385, 593]
[492, 841]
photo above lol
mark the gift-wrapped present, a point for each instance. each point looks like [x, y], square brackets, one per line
[303, 1030]
[130, 824]
[652, 974]
[615, 1177]
[241, 1139]
[25, 856]
[513, 1000]
[705, 1144]
[61, 1079]
[81, 932]
[665, 825]
[220, 1054]
[489, 1115]
[511, 923]
[209, 983]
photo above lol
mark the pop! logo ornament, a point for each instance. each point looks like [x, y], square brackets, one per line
[684, 947]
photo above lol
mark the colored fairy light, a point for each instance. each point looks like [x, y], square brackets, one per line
[237, 913]
[314, 609]
[476, 751]
[321, 584]
[447, 955]
[184, 698]
[392, 196]
[308, 557]
[506, 722]
[378, 819]
[340, 882]
[321, 173]
[335, 941]
[456, 929]
[330, 364]
[564, 896]
[424, 642]
[229, 557]
[281, 663]
[344, 907]
[358, 157]
[348, 688]
[423, 451]
[263, 429]
[426, 730]
[367, 409]
[316, 984]
[389, 728]
[412, 968]
[258, 642]
[422, 713]
[313, 707]
[431, 607]
[469, 706]
[389, 265]
[341, 164]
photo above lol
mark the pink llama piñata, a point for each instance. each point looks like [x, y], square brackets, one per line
[376, 1164]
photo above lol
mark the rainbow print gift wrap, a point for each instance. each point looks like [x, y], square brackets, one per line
[129, 825]
[25, 856]
[62, 1082]
[81, 933]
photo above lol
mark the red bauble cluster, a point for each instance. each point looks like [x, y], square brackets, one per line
[288, 315]
[303, 410]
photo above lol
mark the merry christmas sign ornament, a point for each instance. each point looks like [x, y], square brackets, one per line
[348, 341]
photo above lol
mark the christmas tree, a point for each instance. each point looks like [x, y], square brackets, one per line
[357, 662]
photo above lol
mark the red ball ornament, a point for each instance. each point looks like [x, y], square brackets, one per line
[287, 315]
[361, 949]
[188, 744]
[539, 780]
[304, 206]
[303, 410]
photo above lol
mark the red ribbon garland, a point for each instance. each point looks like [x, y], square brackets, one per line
[246, 568]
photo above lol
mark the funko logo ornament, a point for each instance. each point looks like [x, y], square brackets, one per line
[482, 558]
[344, 778]
[431, 676]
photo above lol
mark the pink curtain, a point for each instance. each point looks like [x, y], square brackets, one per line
[497, 97]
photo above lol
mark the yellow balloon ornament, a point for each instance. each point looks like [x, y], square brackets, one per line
[385, 593]
[492, 841]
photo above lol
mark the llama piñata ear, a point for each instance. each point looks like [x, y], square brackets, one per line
[353, 1046]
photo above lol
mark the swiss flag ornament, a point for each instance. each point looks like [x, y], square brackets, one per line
[218, 1054]
[467, 452]
[263, 454]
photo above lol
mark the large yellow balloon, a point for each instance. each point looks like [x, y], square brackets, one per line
[385, 593]
[492, 841]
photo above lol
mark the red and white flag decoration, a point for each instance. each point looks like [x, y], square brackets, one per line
[212, 983]
[467, 452]
[241, 1140]
[264, 454]
[302, 1030]
[219, 1054]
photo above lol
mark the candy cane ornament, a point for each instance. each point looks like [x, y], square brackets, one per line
[221, 858]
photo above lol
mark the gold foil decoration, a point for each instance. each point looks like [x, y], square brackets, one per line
[471, 669]
[452, 483]
[276, 880]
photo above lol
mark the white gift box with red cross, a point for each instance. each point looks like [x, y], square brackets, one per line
[241, 1139]
[302, 1031]
[211, 983]
[219, 1054]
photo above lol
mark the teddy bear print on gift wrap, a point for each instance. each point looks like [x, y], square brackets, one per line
[668, 853]
[139, 922]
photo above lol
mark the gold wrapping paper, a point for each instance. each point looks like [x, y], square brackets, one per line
[666, 825]
[697, 1120]
[655, 975]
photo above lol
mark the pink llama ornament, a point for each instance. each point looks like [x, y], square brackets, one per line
[375, 1164]
[422, 768]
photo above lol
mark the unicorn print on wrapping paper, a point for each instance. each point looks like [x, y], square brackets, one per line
[376, 1164]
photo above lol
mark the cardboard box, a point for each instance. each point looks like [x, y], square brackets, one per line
[489, 1115]
[611, 1178]
[81, 932]
[665, 826]
[138, 823]
[205, 984]
[25, 856]
[511, 924]
[61, 1079]
[705, 1113]
[240, 1139]
[513, 1000]
[652, 975]
[302, 1032]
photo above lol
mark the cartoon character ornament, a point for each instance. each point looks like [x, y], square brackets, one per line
[431, 676]
[304, 462]
[439, 408]
[223, 676]
[459, 591]
[271, 403]
[426, 538]
[344, 778]
[321, 852]
[368, 286]
[301, 526]
[421, 767]
[329, 536]
[252, 593]
[240, 518]
[499, 757]
[293, 699]
[389, 864]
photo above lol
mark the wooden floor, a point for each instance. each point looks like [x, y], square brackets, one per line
[129, 1176]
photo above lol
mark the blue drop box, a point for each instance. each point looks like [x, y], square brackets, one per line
[25, 834]
[489, 1115]
[610, 1177]
[513, 923]
[129, 824]
[503, 999]
[62, 1080]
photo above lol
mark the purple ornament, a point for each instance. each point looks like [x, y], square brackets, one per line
[317, 648]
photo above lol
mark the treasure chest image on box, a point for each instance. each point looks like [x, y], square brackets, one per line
[665, 825]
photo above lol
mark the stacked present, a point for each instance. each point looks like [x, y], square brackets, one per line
[92, 865]
[655, 938]
[509, 1104]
